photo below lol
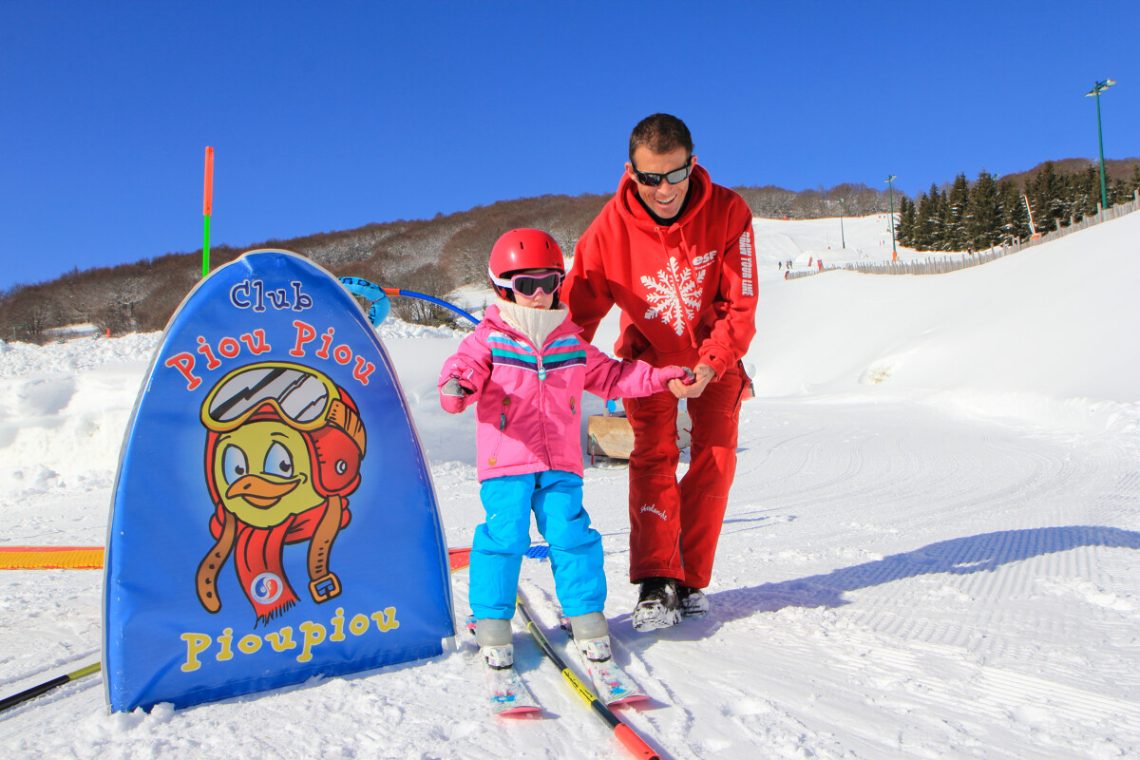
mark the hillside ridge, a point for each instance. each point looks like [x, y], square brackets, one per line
[428, 255]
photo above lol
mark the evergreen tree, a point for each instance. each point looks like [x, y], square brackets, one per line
[957, 209]
[983, 216]
[900, 226]
[1014, 215]
[945, 236]
[1134, 183]
[926, 221]
[907, 219]
[1047, 193]
[1085, 192]
[1119, 192]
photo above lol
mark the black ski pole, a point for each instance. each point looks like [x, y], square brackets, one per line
[47, 686]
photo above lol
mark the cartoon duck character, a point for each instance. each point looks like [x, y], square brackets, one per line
[283, 451]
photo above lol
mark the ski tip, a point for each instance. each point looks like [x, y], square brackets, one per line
[519, 711]
[629, 699]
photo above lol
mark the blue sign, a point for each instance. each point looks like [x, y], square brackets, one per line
[273, 517]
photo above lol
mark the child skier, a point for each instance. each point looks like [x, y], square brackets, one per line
[525, 368]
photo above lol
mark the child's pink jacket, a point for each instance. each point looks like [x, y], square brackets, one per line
[529, 401]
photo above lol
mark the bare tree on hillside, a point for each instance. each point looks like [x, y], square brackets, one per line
[429, 279]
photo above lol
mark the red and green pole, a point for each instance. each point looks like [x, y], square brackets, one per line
[207, 209]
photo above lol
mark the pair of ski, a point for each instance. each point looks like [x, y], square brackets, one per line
[508, 695]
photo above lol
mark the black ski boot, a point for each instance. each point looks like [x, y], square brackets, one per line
[657, 605]
[693, 601]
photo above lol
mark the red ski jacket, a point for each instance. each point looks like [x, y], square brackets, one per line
[687, 290]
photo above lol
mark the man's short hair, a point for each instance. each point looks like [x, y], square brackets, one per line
[661, 133]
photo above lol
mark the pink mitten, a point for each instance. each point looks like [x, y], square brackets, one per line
[453, 396]
[684, 374]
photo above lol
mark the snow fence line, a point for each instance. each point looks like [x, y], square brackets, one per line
[942, 265]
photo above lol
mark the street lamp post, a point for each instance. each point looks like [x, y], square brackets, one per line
[891, 193]
[1095, 92]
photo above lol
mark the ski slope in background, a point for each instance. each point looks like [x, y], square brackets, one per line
[932, 548]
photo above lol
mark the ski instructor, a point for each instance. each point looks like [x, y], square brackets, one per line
[674, 252]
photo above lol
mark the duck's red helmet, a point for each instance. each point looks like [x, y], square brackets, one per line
[305, 400]
[522, 249]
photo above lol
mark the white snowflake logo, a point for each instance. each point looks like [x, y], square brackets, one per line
[674, 295]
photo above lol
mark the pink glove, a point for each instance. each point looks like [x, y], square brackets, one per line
[453, 396]
[684, 374]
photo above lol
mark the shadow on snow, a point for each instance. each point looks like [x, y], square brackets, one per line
[958, 556]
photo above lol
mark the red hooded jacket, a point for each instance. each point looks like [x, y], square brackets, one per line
[687, 290]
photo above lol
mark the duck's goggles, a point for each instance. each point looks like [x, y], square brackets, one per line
[304, 398]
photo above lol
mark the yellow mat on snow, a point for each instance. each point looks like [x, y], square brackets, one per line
[51, 557]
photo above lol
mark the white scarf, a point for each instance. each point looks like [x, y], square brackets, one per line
[536, 324]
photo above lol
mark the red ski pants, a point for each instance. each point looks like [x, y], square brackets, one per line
[674, 527]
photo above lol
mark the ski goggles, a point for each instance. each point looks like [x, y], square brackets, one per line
[529, 284]
[304, 398]
[651, 179]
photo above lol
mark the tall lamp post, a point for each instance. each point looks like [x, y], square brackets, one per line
[1095, 92]
[891, 193]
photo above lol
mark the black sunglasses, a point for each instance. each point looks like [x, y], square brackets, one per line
[673, 177]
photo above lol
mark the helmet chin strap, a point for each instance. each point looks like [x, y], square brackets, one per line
[323, 583]
[212, 563]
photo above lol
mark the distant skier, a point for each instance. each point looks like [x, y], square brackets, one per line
[525, 368]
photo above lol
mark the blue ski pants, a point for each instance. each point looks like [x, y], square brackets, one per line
[555, 497]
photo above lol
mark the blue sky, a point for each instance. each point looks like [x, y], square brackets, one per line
[328, 116]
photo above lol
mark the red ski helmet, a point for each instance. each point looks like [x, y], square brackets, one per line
[523, 249]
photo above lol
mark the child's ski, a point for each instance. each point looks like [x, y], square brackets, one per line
[611, 683]
[507, 694]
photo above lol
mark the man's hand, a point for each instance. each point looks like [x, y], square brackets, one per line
[684, 378]
[704, 375]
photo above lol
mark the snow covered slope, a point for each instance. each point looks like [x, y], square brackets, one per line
[931, 549]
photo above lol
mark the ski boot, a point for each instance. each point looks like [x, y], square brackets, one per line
[494, 639]
[693, 601]
[657, 605]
